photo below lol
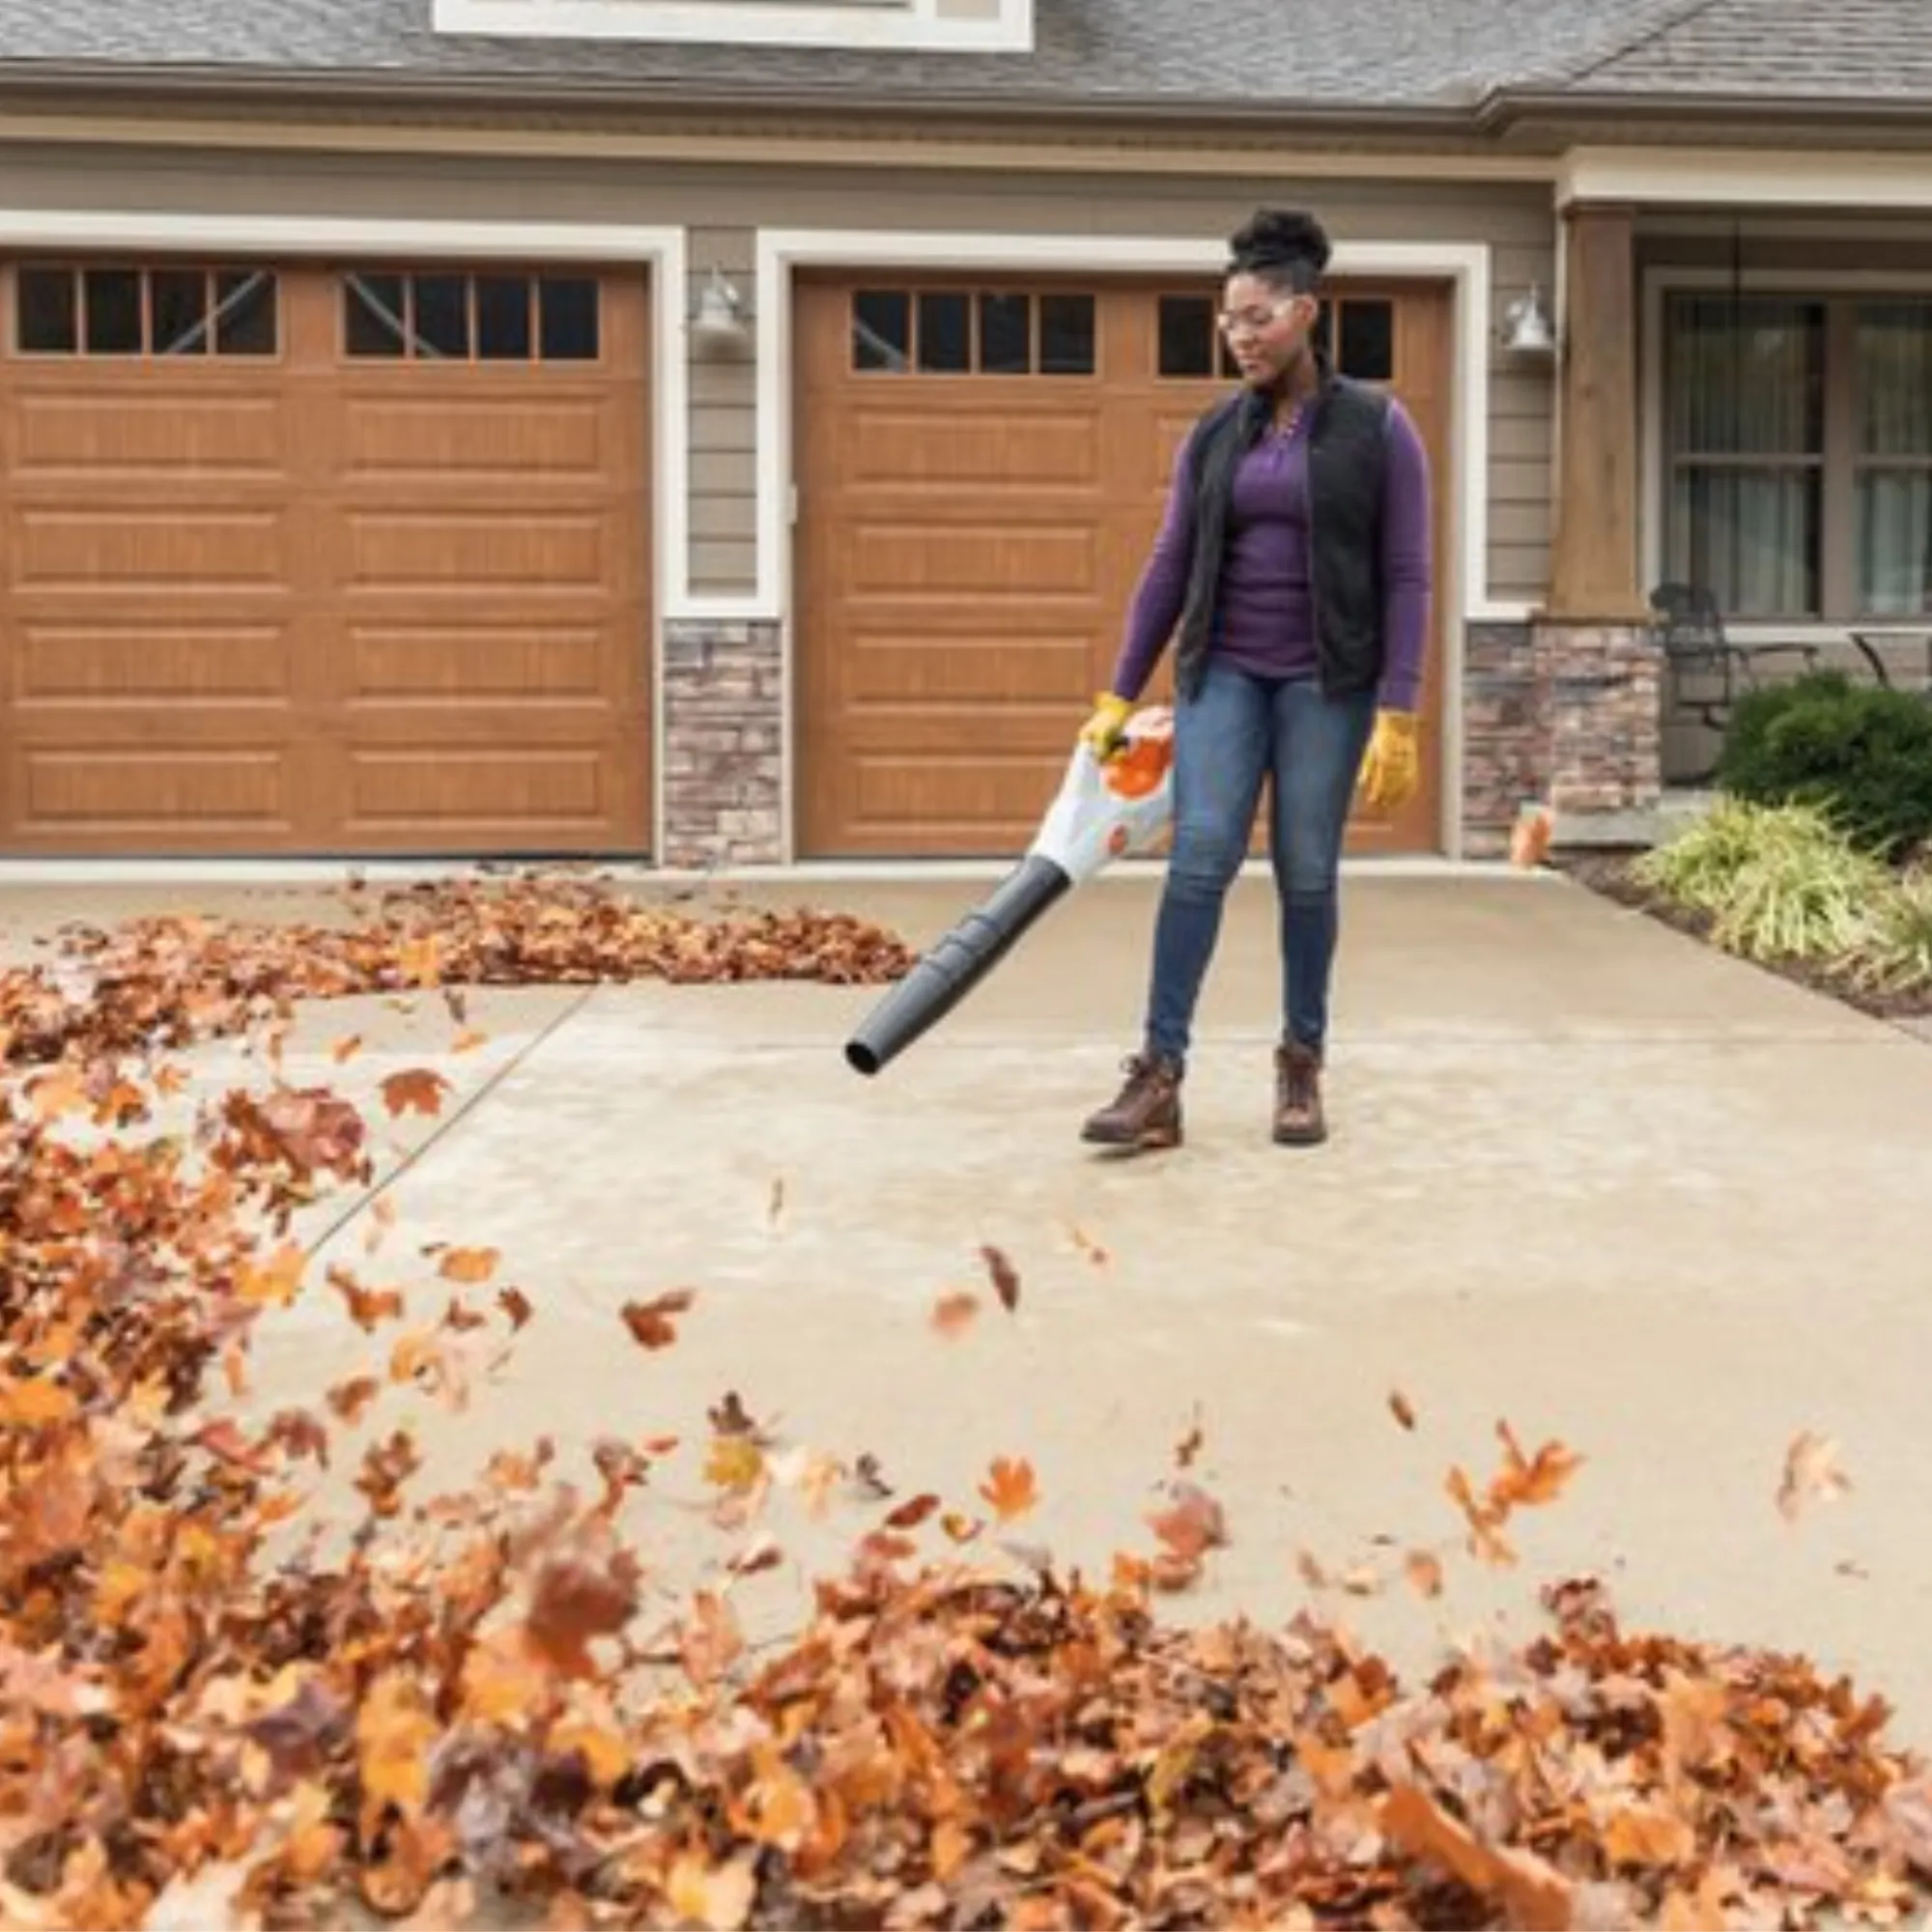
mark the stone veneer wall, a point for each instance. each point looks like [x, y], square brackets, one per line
[1562, 713]
[724, 745]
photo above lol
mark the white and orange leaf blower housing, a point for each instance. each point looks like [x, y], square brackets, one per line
[1106, 809]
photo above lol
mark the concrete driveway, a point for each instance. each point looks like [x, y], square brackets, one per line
[1586, 1177]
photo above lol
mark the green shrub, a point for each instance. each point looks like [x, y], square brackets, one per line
[1861, 751]
[1776, 882]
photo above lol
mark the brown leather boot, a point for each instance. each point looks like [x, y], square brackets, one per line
[1146, 1113]
[1298, 1119]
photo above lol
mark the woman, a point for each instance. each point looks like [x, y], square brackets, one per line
[1293, 569]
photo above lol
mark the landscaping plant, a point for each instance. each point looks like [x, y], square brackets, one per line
[1893, 954]
[1776, 882]
[1861, 752]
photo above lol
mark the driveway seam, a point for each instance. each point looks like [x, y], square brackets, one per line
[449, 1123]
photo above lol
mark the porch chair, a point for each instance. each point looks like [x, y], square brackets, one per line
[1704, 672]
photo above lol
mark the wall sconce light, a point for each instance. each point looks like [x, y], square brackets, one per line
[1528, 328]
[719, 321]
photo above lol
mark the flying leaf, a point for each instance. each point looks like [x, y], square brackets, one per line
[1424, 1571]
[1010, 1489]
[650, 1322]
[952, 1314]
[1525, 1482]
[419, 1090]
[1400, 1407]
[1536, 1897]
[367, 1307]
[1005, 1276]
[581, 1593]
[1811, 1474]
[516, 1305]
[911, 1514]
[347, 1400]
[274, 1283]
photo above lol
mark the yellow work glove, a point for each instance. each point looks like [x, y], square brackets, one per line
[1392, 767]
[1104, 729]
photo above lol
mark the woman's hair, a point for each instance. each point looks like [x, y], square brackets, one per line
[1285, 247]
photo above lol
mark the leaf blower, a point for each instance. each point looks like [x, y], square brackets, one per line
[1105, 809]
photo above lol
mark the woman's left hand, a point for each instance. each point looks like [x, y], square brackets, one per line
[1392, 766]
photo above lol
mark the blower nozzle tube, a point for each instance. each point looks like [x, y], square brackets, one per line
[945, 974]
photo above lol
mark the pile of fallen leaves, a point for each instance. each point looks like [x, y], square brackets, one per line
[165, 981]
[465, 1709]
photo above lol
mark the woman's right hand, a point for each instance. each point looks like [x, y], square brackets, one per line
[1105, 728]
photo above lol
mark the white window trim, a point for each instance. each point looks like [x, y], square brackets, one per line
[1466, 265]
[286, 238]
[1664, 281]
[890, 25]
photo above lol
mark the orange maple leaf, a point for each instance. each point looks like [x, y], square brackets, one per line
[1010, 1489]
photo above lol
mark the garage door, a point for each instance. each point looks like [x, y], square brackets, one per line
[323, 559]
[981, 468]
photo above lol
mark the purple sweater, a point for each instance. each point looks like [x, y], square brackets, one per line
[1267, 623]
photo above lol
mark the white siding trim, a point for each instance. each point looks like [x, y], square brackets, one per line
[1466, 265]
[1662, 280]
[1746, 178]
[659, 249]
[894, 25]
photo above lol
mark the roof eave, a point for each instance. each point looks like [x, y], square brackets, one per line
[1722, 111]
[1496, 116]
[138, 85]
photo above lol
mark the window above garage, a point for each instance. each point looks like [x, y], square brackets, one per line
[934, 26]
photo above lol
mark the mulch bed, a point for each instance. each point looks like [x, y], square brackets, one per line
[1608, 873]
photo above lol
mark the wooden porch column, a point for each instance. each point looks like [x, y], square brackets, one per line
[1594, 565]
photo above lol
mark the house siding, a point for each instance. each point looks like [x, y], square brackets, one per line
[722, 207]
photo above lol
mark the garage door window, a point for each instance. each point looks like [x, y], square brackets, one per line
[433, 317]
[163, 312]
[972, 331]
[1358, 332]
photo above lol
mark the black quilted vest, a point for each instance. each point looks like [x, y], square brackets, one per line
[1346, 451]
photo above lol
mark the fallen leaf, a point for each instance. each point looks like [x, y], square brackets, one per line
[718, 1897]
[345, 1050]
[516, 1305]
[1400, 1407]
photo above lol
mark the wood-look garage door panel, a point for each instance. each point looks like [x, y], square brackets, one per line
[970, 542]
[407, 602]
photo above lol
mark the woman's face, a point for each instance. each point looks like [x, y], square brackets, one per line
[1266, 327]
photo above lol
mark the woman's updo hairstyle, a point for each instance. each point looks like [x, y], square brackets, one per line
[1285, 247]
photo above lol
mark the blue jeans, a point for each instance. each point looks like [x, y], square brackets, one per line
[1238, 729]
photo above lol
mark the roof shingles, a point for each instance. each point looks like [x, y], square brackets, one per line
[1850, 50]
[1211, 53]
